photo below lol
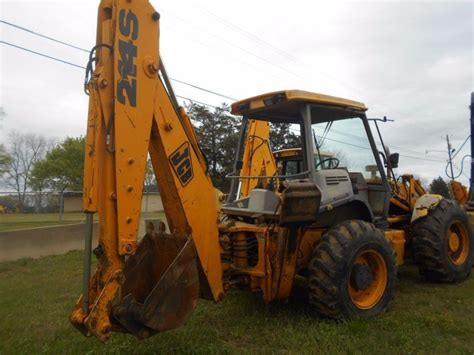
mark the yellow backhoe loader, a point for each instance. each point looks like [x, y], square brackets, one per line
[345, 228]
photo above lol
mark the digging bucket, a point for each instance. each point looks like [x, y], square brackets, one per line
[161, 285]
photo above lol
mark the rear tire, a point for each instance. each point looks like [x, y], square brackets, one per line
[443, 243]
[352, 272]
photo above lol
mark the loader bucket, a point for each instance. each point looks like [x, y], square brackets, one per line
[161, 285]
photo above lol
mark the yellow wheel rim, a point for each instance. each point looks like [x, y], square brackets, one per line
[458, 243]
[369, 296]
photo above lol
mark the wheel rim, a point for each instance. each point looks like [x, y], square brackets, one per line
[369, 296]
[458, 243]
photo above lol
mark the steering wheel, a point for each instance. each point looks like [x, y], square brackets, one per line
[333, 163]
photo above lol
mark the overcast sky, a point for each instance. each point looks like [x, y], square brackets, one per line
[412, 61]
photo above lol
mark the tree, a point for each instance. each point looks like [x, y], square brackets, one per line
[438, 186]
[25, 150]
[5, 160]
[62, 168]
[218, 134]
[150, 179]
[281, 137]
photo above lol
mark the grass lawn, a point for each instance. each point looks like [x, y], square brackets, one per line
[34, 220]
[36, 297]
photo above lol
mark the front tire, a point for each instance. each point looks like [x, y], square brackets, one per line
[352, 272]
[443, 243]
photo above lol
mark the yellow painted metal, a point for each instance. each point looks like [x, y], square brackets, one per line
[260, 275]
[471, 216]
[258, 159]
[100, 182]
[257, 102]
[284, 259]
[133, 116]
[279, 252]
[308, 242]
[458, 243]
[368, 298]
[289, 152]
[459, 191]
[397, 238]
[130, 114]
[241, 261]
[193, 201]
[425, 204]
[397, 219]
[406, 191]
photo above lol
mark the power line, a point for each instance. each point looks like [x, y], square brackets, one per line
[174, 79]
[229, 24]
[203, 89]
[43, 36]
[367, 148]
[192, 100]
[259, 40]
[229, 43]
[364, 139]
[186, 83]
[423, 159]
[85, 50]
[43, 55]
[81, 67]
[459, 149]
[402, 155]
[360, 138]
[250, 35]
[201, 103]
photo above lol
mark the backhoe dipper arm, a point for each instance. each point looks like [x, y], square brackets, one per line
[139, 288]
[258, 159]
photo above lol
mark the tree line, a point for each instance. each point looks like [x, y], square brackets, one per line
[34, 163]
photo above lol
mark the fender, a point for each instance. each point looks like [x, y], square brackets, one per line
[425, 204]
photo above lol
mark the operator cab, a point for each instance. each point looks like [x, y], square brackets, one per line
[343, 163]
[290, 161]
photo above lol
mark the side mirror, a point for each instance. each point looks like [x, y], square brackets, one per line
[394, 158]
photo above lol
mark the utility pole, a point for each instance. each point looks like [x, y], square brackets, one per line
[449, 157]
[470, 204]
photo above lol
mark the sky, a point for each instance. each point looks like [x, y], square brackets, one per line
[412, 61]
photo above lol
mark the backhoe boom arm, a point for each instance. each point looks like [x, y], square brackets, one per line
[131, 115]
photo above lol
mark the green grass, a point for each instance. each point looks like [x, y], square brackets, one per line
[31, 220]
[16, 221]
[36, 297]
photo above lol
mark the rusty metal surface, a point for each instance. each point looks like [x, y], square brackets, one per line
[300, 203]
[161, 285]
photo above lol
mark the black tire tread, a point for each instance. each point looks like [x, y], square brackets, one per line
[429, 242]
[325, 269]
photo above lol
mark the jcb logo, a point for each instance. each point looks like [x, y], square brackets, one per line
[127, 69]
[181, 161]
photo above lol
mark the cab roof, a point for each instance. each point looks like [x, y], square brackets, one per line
[285, 105]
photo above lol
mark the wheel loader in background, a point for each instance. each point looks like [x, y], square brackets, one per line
[345, 228]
